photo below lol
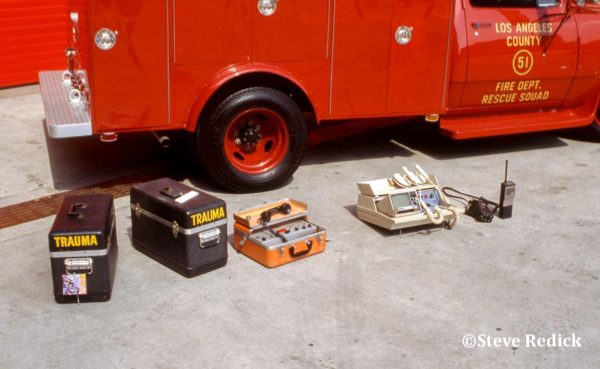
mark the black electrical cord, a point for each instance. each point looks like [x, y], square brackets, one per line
[461, 199]
[480, 198]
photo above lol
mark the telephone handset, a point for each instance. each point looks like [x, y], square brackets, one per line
[284, 208]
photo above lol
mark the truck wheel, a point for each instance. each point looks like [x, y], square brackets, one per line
[254, 140]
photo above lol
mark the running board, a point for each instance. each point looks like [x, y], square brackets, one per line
[66, 116]
[460, 128]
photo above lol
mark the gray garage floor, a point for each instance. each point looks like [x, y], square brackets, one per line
[371, 300]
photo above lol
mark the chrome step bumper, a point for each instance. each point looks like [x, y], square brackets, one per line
[64, 118]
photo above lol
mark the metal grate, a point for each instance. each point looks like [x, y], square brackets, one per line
[28, 211]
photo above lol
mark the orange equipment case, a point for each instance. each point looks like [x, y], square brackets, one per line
[284, 239]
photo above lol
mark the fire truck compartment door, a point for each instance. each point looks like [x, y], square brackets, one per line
[507, 64]
[361, 57]
[213, 31]
[130, 80]
[417, 80]
[296, 31]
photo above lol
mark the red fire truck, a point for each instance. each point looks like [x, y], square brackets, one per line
[245, 76]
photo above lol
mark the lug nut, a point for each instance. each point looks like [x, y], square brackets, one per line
[238, 142]
[236, 134]
[257, 128]
[250, 123]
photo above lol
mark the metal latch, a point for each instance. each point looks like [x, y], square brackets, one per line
[137, 211]
[79, 266]
[209, 238]
[174, 229]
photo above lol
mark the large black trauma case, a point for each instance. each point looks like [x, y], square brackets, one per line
[180, 227]
[83, 249]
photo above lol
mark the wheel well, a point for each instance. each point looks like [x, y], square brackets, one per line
[259, 79]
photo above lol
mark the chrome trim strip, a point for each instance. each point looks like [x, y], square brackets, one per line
[332, 53]
[174, 35]
[328, 25]
[446, 87]
[186, 231]
[78, 254]
[168, 69]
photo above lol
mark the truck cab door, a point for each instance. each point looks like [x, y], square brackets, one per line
[417, 80]
[520, 57]
[130, 78]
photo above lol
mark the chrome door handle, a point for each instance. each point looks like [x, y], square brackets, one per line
[403, 35]
[478, 25]
[106, 39]
[267, 7]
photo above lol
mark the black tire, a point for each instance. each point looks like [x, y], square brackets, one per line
[211, 136]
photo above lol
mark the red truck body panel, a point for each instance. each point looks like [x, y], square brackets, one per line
[171, 56]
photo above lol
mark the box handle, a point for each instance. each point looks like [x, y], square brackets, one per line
[209, 238]
[73, 211]
[169, 192]
[293, 253]
[79, 266]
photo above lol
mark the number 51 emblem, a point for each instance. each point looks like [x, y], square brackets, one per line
[522, 62]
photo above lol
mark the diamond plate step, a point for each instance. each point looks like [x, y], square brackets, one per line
[63, 117]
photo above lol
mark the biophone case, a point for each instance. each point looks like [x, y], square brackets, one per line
[182, 228]
[83, 249]
[285, 238]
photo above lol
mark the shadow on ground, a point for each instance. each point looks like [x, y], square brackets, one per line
[77, 158]
[73, 160]
[405, 138]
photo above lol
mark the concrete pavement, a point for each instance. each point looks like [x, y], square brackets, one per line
[371, 300]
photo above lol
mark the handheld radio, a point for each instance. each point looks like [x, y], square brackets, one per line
[507, 196]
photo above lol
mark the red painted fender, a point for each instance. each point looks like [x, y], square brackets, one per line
[230, 73]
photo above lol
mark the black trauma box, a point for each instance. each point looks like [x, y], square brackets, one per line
[180, 227]
[83, 249]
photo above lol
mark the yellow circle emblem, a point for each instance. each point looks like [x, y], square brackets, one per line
[522, 62]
